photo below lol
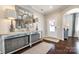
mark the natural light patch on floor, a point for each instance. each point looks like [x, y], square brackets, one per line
[41, 48]
[52, 39]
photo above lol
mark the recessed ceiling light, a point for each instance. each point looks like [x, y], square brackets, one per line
[50, 6]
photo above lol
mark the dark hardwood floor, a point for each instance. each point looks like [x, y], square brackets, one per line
[70, 46]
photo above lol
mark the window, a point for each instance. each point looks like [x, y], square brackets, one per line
[52, 25]
[77, 26]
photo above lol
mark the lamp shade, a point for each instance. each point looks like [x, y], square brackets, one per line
[11, 14]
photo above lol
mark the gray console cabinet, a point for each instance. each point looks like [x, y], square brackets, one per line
[12, 43]
[15, 43]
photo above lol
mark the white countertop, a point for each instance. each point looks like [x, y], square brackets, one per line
[18, 33]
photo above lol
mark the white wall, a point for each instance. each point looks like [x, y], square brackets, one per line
[4, 21]
[41, 22]
[67, 10]
[58, 17]
[5, 26]
[40, 17]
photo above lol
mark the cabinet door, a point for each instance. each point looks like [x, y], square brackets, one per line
[15, 43]
[22, 41]
[35, 37]
[8, 46]
[26, 40]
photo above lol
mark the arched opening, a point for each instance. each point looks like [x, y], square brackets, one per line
[71, 23]
[71, 11]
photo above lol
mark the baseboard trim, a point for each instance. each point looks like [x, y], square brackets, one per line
[73, 37]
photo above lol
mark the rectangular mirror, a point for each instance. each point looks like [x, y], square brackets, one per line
[23, 17]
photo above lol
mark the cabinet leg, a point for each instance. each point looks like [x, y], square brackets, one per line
[30, 45]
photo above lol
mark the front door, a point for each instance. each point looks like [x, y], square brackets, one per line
[51, 28]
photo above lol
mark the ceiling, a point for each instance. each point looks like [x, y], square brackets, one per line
[45, 9]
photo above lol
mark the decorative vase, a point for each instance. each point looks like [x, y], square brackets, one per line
[11, 27]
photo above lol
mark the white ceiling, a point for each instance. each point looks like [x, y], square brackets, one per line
[45, 9]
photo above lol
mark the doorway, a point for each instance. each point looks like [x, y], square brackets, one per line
[51, 28]
[71, 22]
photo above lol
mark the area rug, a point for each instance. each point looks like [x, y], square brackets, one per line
[41, 48]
